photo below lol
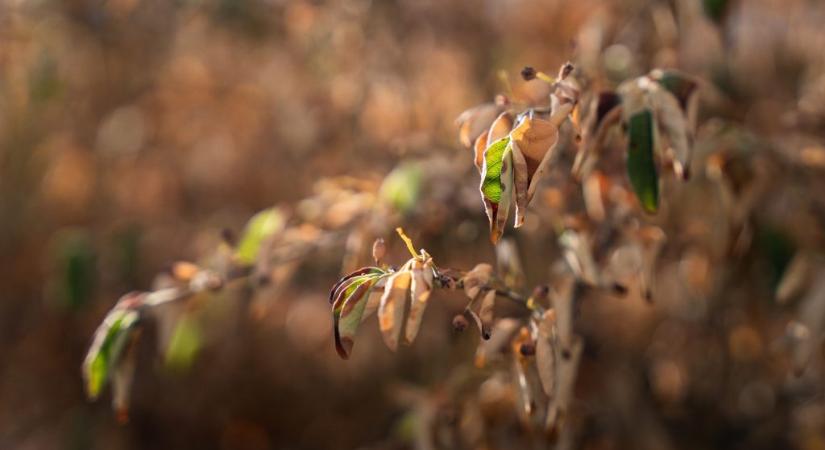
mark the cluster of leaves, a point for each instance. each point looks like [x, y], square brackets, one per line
[353, 298]
[513, 149]
[112, 354]
[514, 144]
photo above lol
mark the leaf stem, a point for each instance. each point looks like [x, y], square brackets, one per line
[407, 241]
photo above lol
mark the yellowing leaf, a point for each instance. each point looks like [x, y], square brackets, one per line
[422, 286]
[391, 308]
[260, 227]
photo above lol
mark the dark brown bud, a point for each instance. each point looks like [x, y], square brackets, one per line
[379, 249]
[263, 279]
[460, 323]
[527, 349]
[541, 292]
[228, 236]
[619, 289]
[565, 70]
[528, 73]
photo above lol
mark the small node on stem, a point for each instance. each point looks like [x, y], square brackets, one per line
[541, 292]
[527, 349]
[565, 70]
[228, 237]
[460, 323]
[528, 73]
[619, 289]
[263, 279]
[379, 250]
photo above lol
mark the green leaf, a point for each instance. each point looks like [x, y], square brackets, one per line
[348, 317]
[359, 272]
[715, 9]
[75, 261]
[497, 185]
[401, 187]
[641, 167]
[491, 186]
[107, 346]
[259, 228]
[184, 344]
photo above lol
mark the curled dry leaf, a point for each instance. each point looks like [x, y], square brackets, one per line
[422, 286]
[605, 111]
[811, 312]
[672, 120]
[578, 253]
[565, 383]
[485, 313]
[498, 130]
[546, 353]
[500, 337]
[564, 300]
[477, 278]
[534, 140]
[479, 147]
[123, 377]
[685, 88]
[501, 127]
[796, 277]
[497, 185]
[652, 239]
[391, 308]
[509, 263]
[475, 121]
[531, 400]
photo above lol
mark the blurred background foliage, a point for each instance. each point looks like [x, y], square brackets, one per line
[133, 131]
